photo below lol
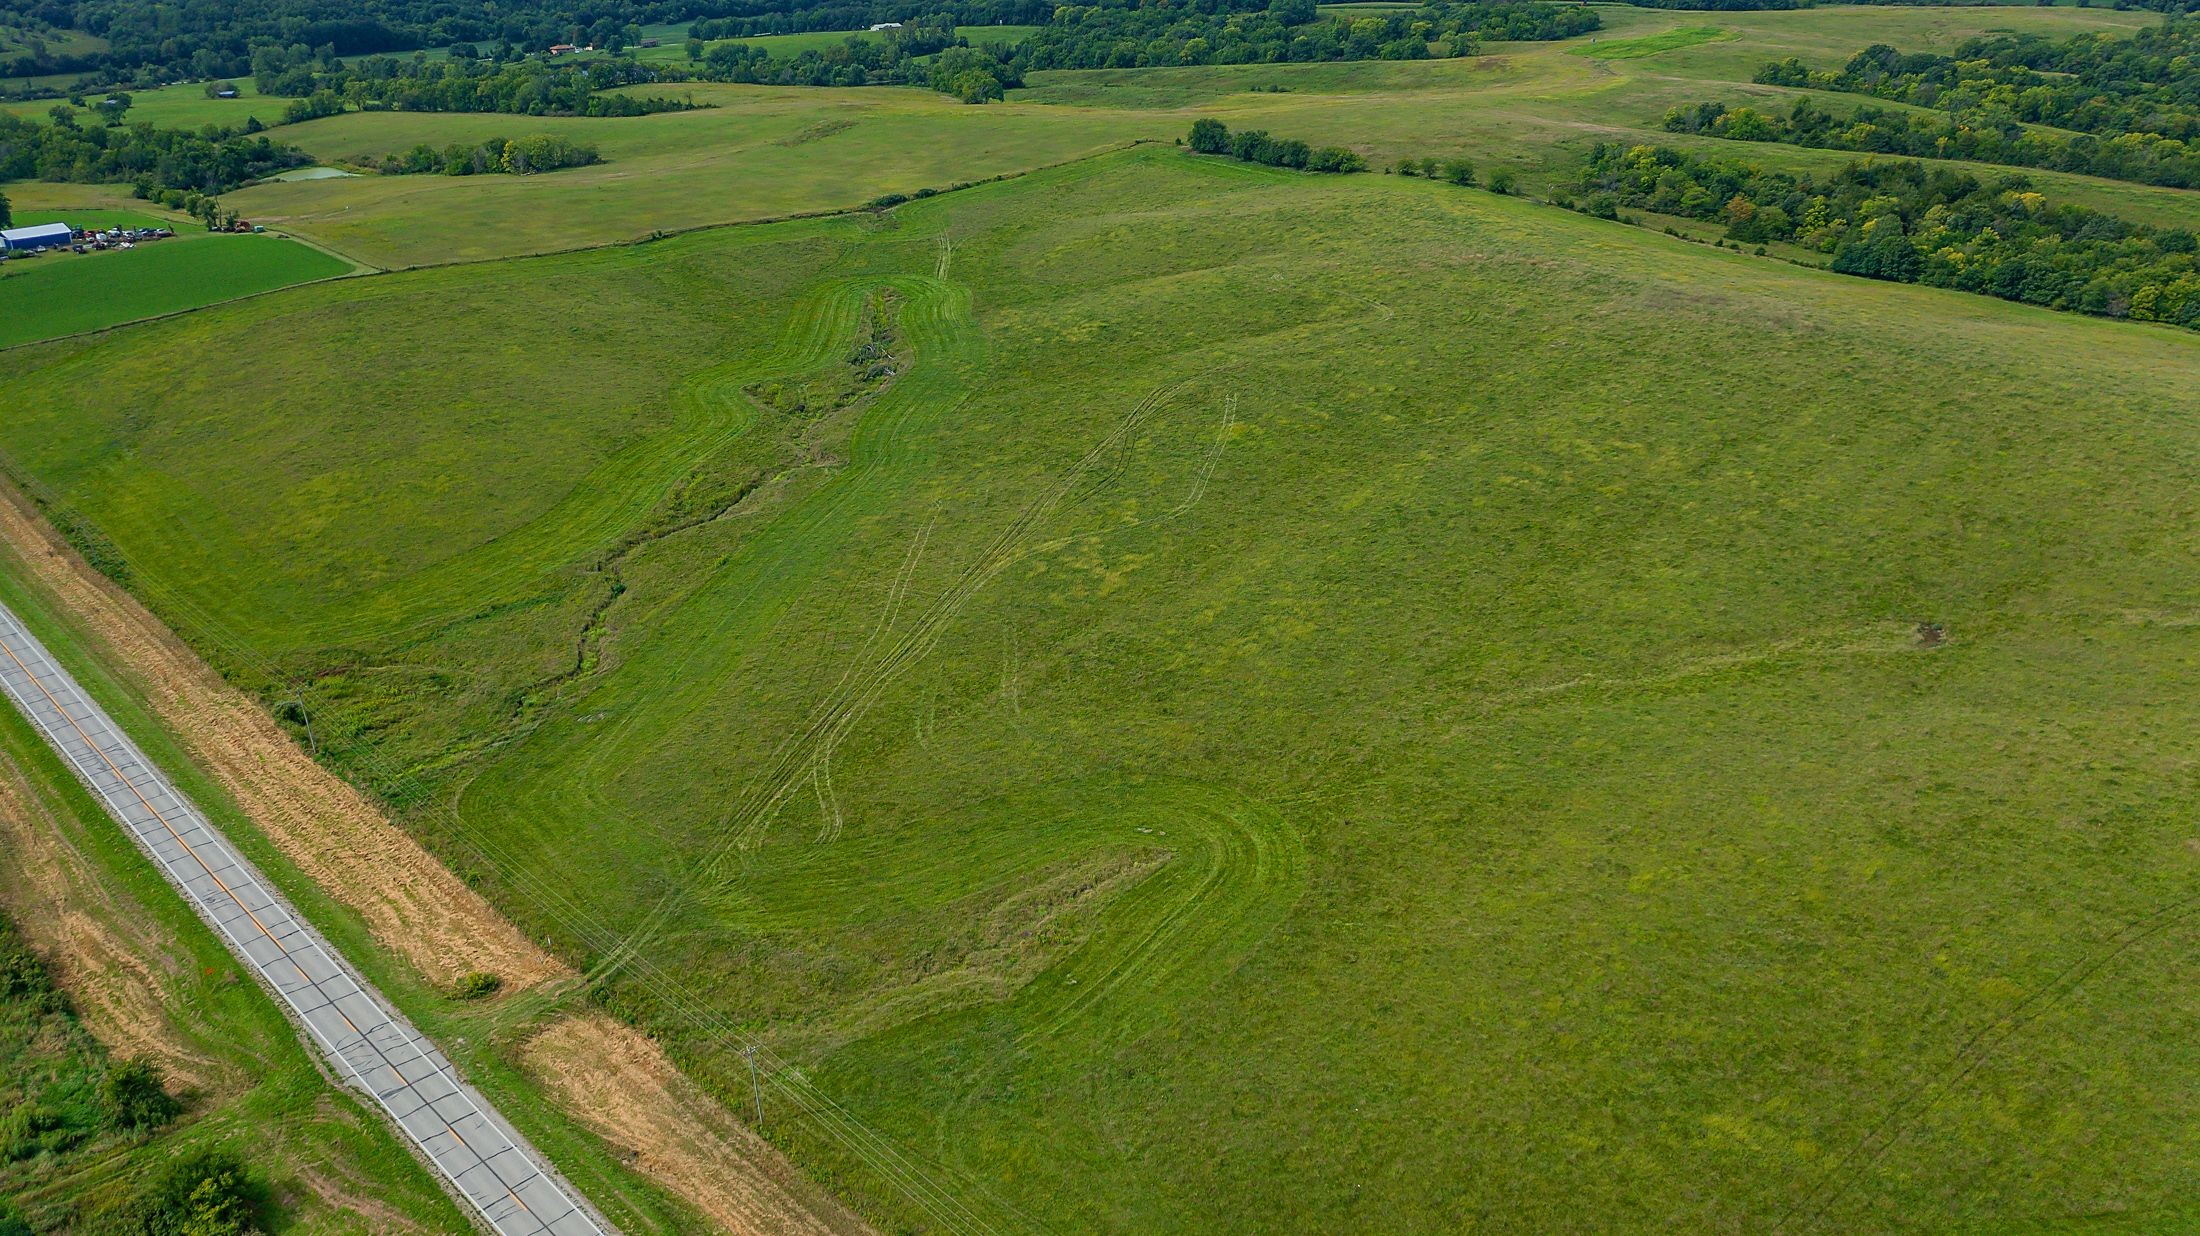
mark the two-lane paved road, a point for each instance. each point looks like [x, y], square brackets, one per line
[381, 1054]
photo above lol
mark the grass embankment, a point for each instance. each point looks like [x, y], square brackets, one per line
[1249, 659]
[63, 293]
[488, 1039]
[150, 982]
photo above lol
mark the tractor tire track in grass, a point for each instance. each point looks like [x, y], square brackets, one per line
[1209, 871]
[1811, 1210]
[1232, 865]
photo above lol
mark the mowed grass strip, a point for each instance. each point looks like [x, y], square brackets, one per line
[1651, 45]
[65, 293]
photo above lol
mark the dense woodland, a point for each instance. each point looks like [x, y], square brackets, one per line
[2134, 102]
[1109, 37]
[1906, 222]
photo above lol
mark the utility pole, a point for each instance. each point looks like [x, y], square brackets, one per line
[305, 718]
[755, 1085]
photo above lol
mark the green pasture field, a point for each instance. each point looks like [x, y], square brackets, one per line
[63, 293]
[15, 42]
[334, 1168]
[1651, 45]
[181, 106]
[765, 152]
[1159, 677]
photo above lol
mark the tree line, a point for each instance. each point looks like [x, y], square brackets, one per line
[2139, 97]
[1903, 221]
[1980, 138]
[1212, 137]
[211, 160]
[1116, 37]
[323, 85]
[519, 156]
[1456, 171]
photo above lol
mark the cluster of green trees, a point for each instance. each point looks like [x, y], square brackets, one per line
[518, 87]
[212, 160]
[1456, 171]
[2136, 99]
[1982, 138]
[203, 39]
[519, 156]
[196, 39]
[1116, 37]
[1902, 221]
[927, 53]
[1255, 146]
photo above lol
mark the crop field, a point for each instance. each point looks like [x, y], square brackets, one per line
[1157, 677]
[62, 293]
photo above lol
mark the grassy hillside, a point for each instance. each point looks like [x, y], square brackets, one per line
[1162, 677]
[764, 152]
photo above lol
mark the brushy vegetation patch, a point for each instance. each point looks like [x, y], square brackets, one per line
[60, 1095]
[50, 1070]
